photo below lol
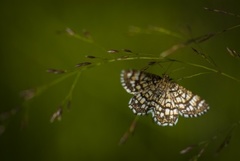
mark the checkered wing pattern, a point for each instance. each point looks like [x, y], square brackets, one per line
[188, 104]
[160, 96]
[136, 82]
[139, 104]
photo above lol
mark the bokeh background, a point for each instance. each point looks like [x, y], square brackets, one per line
[32, 40]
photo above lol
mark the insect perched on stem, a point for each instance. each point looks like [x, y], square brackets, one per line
[162, 97]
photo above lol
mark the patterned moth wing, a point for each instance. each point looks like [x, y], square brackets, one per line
[161, 97]
[188, 104]
[139, 104]
[135, 81]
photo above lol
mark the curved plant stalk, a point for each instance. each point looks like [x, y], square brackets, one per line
[162, 59]
[125, 55]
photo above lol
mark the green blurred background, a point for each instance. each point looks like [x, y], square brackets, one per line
[32, 41]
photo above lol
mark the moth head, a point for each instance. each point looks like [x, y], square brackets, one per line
[166, 77]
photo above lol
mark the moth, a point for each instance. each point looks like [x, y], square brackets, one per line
[161, 97]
